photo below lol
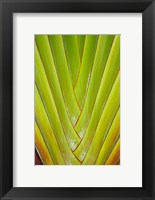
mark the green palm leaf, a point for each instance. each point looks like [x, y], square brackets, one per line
[73, 56]
[99, 132]
[77, 99]
[42, 147]
[50, 88]
[86, 68]
[60, 60]
[114, 157]
[80, 42]
[47, 100]
[110, 140]
[102, 53]
[46, 129]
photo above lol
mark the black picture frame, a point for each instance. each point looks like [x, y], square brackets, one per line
[7, 8]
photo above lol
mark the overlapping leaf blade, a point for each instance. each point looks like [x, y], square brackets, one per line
[77, 99]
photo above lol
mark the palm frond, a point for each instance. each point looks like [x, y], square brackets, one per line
[77, 99]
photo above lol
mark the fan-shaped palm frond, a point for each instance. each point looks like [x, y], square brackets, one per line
[77, 99]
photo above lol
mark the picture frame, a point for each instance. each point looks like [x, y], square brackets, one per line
[7, 8]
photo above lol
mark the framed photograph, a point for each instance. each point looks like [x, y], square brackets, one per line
[77, 99]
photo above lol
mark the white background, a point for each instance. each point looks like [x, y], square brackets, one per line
[129, 173]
